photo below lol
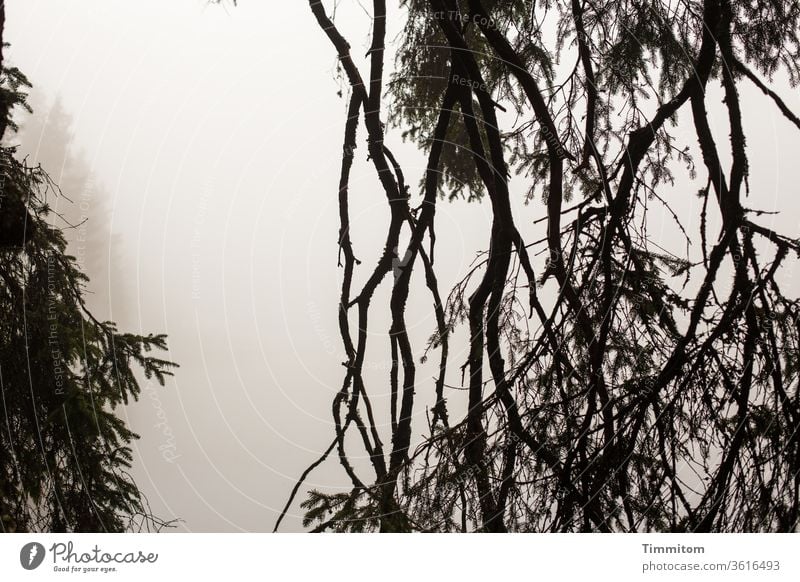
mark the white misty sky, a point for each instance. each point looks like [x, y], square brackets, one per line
[216, 133]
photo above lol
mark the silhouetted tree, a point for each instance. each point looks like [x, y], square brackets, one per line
[655, 391]
[64, 451]
[82, 212]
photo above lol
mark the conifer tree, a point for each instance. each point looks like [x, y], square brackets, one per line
[65, 451]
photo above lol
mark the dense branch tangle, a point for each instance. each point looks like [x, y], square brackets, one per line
[650, 391]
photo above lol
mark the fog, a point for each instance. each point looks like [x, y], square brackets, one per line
[206, 143]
